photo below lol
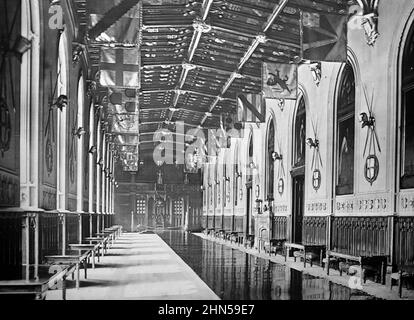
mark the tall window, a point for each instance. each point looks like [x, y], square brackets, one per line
[270, 168]
[407, 115]
[62, 126]
[345, 133]
[300, 136]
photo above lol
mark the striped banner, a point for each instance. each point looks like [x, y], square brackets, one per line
[251, 108]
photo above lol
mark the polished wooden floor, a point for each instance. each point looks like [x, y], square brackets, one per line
[139, 266]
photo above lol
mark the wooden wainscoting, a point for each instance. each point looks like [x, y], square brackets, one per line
[11, 227]
[72, 229]
[210, 222]
[279, 227]
[50, 234]
[315, 230]
[227, 222]
[361, 235]
[238, 224]
[218, 223]
[404, 240]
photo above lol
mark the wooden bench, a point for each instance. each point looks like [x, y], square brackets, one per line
[37, 289]
[71, 263]
[404, 271]
[305, 252]
[89, 249]
[371, 263]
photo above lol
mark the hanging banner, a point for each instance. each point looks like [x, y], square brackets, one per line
[120, 67]
[251, 108]
[127, 98]
[114, 21]
[280, 80]
[324, 37]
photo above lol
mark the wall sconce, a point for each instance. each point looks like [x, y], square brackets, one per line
[60, 103]
[92, 150]
[238, 174]
[241, 194]
[79, 132]
[312, 143]
[100, 162]
[202, 188]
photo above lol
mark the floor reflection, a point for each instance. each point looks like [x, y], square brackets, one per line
[234, 275]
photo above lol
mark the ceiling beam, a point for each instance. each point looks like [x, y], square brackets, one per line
[200, 27]
[260, 39]
[207, 68]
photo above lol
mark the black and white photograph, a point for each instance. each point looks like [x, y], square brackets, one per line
[206, 155]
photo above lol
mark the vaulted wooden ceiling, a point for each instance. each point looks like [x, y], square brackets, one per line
[197, 54]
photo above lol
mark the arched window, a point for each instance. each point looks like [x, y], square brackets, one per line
[345, 137]
[300, 136]
[81, 178]
[270, 165]
[407, 115]
[61, 125]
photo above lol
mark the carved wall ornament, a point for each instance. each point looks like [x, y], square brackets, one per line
[281, 104]
[281, 186]
[370, 20]
[371, 141]
[316, 158]
[76, 53]
[316, 71]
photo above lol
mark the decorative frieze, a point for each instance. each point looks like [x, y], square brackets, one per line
[406, 202]
[316, 207]
[363, 204]
[283, 208]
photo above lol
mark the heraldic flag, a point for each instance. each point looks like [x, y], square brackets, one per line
[114, 21]
[127, 98]
[324, 37]
[280, 80]
[120, 67]
[251, 108]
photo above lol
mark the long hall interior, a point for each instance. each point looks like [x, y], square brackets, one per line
[207, 149]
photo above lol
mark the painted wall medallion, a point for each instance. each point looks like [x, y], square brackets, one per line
[281, 186]
[371, 168]
[316, 179]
